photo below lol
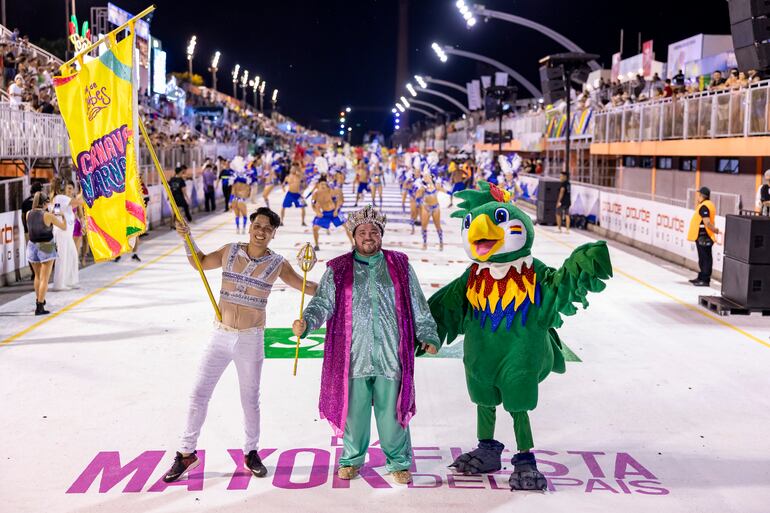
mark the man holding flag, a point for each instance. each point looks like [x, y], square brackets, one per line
[248, 273]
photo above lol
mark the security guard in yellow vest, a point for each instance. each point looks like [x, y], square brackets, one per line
[703, 233]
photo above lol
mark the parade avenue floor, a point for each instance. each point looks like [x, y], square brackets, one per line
[664, 407]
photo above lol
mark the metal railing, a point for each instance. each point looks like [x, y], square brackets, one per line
[740, 112]
[26, 134]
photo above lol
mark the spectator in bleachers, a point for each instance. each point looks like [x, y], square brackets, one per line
[668, 91]
[717, 81]
[16, 90]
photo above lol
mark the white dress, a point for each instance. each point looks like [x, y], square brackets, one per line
[65, 273]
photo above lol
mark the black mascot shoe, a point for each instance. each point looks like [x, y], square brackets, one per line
[525, 475]
[486, 458]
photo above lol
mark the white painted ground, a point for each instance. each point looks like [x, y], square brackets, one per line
[669, 406]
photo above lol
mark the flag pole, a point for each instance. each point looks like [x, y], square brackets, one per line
[188, 236]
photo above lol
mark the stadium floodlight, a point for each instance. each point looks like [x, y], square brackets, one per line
[410, 88]
[466, 12]
[190, 52]
[400, 107]
[236, 70]
[439, 52]
[405, 102]
[421, 81]
[275, 95]
[215, 60]
[245, 78]
[213, 69]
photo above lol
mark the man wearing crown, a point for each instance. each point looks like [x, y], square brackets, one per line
[377, 319]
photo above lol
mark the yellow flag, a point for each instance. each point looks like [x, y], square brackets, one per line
[98, 104]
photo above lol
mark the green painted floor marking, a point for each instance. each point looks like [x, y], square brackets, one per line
[281, 343]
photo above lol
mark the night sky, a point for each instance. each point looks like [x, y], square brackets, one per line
[326, 54]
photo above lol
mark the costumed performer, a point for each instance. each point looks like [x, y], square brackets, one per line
[508, 304]
[376, 320]
[248, 273]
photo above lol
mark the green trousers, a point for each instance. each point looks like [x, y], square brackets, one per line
[395, 441]
[485, 426]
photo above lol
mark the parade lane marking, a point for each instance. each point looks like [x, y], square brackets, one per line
[99, 290]
[693, 308]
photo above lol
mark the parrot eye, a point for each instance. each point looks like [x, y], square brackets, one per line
[467, 221]
[501, 215]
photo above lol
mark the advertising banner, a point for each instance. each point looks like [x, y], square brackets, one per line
[13, 254]
[647, 57]
[658, 224]
[682, 52]
[615, 67]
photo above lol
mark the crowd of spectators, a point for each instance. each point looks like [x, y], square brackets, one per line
[27, 75]
[615, 93]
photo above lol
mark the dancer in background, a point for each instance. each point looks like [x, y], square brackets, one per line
[296, 186]
[427, 194]
[241, 192]
[377, 182]
[326, 203]
[271, 180]
[361, 180]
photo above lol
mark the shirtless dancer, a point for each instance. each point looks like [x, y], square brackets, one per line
[248, 273]
[271, 180]
[241, 193]
[377, 180]
[362, 180]
[327, 203]
[295, 181]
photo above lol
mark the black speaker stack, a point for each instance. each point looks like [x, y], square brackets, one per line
[552, 84]
[547, 196]
[750, 28]
[746, 269]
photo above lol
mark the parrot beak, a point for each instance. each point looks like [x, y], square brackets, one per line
[485, 237]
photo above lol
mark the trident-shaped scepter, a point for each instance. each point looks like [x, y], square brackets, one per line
[306, 260]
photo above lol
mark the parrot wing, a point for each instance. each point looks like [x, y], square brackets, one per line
[448, 306]
[584, 271]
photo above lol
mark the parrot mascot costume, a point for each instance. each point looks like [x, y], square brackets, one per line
[508, 304]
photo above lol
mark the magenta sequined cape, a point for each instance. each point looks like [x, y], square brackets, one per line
[333, 402]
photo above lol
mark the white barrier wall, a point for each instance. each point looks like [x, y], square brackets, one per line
[656, 224]
[12, 243]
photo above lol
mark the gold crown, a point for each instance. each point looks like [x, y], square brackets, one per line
[367, 215]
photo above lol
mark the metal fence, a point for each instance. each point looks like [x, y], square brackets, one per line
[26, 134]
[741, 112]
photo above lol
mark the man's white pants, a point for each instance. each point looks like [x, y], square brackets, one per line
[246, 349]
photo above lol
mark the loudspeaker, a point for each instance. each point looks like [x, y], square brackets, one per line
[746, 284]
[747, 32]
[548, 191]
[744, 9]
[750, 28]
[747, 239]
[546, 213]
[552, 83]
[491, 107]
[753, 57]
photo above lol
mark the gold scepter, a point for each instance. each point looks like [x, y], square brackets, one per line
[306, 260]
